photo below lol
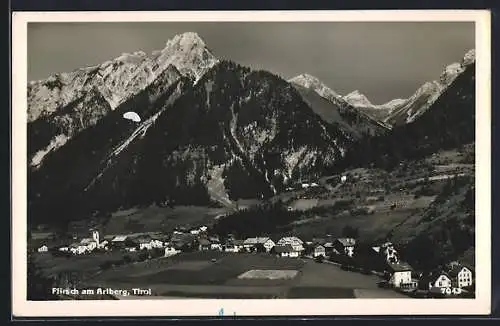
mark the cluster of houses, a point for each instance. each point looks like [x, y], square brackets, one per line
[383, 258]
[94, 242]
[401, 275]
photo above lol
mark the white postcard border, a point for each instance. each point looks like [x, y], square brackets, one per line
[211, 307]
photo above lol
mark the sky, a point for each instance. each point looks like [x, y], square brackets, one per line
[383, 60]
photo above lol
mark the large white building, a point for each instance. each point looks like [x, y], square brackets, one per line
[294, 242]
[266, 242]
[461, 276]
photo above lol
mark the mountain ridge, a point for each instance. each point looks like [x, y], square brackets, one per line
[237, 133]
[397, 111]
[119, 78]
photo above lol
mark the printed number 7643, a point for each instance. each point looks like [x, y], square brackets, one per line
[449, 291]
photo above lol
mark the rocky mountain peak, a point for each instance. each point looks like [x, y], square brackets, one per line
[469, 57]
[356, 98]
[311, 82]
[186, 40]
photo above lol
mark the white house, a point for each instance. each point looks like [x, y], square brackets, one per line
[401, 275]
[343, 178]
[319, 250]
[233, 246]
[216, 246]
[145, 245]
[43, 248]
[203, 228]
[89, 243]
[78, 248]
[64, 249]
[170, 251]
[286, 251]
[195, 232]
[461, 276]
[155, 243]
[441, 280]
[294, 242]
[266, 242]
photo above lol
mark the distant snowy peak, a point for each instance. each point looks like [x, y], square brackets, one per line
[453, 70]
[311, 82]
[469, 57]
[357, 99]
[122, 77]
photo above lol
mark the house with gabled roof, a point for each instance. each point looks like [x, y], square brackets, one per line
[436, 280]
[252, 243]
[296, 243]
[319, 250]
[401, 275]
[461, 276]
[203, 244]
[285, 251]
[233, 245]
[344, 246]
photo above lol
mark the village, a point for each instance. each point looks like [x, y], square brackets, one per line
[383, 259]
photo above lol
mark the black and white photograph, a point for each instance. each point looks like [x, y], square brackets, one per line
[227, 158]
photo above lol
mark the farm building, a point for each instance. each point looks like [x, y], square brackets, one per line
[63, 249]
[43, 248]
[294, 242]
[119, 241]
[215, 246]
[285, 251]
[170, 251]
[203, 244]
[78, 248]
[345, 246]
[461, 276]
[401, 275]
[437, 280]
[254, 243]
[148, 243]
[233, 246]
[319, 250]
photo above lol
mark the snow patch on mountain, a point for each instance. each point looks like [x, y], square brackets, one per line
[357, 99]
[55, 143]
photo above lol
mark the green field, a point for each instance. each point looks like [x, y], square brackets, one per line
[218, 275]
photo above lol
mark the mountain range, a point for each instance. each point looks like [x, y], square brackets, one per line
[397, 111]
[211, 131]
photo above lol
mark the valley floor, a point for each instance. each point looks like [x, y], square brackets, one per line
[175, 277]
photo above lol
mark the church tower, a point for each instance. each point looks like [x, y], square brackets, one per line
[95, 236]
